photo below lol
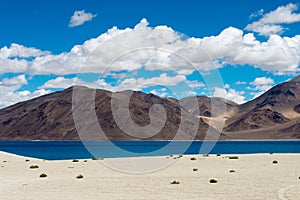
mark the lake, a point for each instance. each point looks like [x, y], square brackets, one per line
[59, 150]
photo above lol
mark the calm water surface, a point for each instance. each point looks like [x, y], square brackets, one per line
[55, 150]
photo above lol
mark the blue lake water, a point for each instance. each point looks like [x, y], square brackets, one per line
[78, 150]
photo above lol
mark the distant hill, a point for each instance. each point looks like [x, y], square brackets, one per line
[273, 115]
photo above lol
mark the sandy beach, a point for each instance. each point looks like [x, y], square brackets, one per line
[248, 177]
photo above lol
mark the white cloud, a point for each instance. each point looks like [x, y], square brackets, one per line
[226, 86]
[126, 84]
[265, 29]
[12, 65]
[139, 83]
[160, 92]
[271, 23]
[257, 14]
[262, 81]
[189, 93]
[283, 14]
[230, 94]
[13, 58]
[278, 54]
[14, 81]
[80, 17]
[195, 84]
[261, 85]
[10, 94]
[168, 52]
[61, 82]
[16, 50]
[185, 71]
[241, 83]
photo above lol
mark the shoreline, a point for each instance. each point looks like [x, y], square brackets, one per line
[251, 176]
[152, 156]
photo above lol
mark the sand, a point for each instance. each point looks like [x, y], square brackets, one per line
[255, 177]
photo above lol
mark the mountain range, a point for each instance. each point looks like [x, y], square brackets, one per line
[273, 115]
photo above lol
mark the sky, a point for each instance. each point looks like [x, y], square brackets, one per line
[231, 49]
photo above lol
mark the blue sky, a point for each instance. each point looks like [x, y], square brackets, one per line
[44, 24]
[250, 45]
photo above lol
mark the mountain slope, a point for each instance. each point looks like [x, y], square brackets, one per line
[50, 117]
[273, 115]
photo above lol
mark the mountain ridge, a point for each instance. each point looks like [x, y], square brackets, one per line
[273, 115]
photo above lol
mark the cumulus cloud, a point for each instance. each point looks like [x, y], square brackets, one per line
[185, 71]
[189, 93]
[230, 94]
[195, 84]
[80, 17]
[61, 82]
[277, 54]
[14, 81]
[261, 85]
[14, 58]
[10, 93]
[17, 50]
[153, 48]
[262, 81]
[271, 23]
[158, 48]
[12, 65]
[125, 84]
[139, 83]
[170, 52]
[283, 14]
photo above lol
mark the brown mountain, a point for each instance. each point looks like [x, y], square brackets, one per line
[273, 115]
[50, 117]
